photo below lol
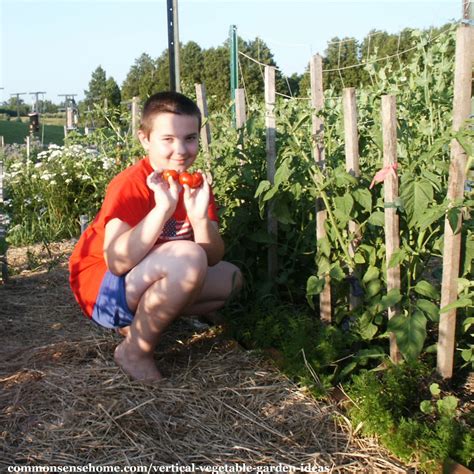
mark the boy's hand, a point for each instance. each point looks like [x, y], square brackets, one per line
[196, 201]
[166, 194]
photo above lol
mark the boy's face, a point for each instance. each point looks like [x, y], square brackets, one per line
[173, 142]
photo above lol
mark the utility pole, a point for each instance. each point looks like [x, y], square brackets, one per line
[70, 107]
[173, 44]
[17, 94]
[234, 69]
[35, 106]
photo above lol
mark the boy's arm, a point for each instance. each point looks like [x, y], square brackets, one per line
[206, 234]
[206, 231]
[125, 246]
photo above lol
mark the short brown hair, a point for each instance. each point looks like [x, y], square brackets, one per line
[167, 102]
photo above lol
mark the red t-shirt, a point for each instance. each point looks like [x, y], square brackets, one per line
[129, 199]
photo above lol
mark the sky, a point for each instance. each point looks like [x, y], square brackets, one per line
[54, 46]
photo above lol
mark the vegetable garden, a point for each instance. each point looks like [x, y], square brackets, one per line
[320, 296]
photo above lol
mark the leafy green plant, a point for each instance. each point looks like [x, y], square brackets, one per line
[392, 405]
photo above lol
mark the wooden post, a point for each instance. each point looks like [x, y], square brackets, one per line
[270, 126]
[28, 146]
[317, 101]
[206, 129]
[3, 243]
[2, 142]
[351, 144]
[240, 113]
[392, 223]
[135, 116]
[457, 177]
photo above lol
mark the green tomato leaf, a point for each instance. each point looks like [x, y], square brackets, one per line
[263, 187]
[426, 289]
[429, 308]
[416, 195]
[410, 333]
[453, 218]
[391, 299]
[397, 258]
[463, 302]
[337, 273]
[314, 286]
[377, 218]
[363, 197]
[371, 274]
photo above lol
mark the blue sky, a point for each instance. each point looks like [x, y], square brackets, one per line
[55, 45]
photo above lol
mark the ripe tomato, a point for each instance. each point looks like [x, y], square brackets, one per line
[197, 179]
[167, 173]
[186, 178]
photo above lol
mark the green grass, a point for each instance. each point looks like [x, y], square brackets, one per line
[16, 132]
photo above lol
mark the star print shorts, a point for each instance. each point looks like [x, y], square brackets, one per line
[111, 309]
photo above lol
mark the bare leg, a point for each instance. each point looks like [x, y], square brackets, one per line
[158, 288]
[222, 281]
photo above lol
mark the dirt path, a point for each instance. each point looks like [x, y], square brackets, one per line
[64, 402]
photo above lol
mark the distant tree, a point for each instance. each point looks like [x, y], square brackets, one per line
[192, 64]
[15, 104]
[47, 107]
[141, 79]
[97, 91]
[339, 56]
[216, 76]
[113, 94]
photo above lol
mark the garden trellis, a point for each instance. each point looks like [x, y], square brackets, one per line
[457, 176]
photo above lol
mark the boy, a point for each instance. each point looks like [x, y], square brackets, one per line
[153, 252]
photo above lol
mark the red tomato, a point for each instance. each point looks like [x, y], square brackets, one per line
[186, 178]
[197, 179]
[167, 173]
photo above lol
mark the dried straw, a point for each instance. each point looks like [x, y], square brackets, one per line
[64, 402]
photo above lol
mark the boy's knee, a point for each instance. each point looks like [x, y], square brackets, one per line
[192, 259]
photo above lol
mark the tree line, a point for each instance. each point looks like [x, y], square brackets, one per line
[212, 67]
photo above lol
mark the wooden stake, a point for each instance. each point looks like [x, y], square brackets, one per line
[2, 141]
[206, 129]
[272, 224]
[28, 146]
[317, 101]
[457, 178]
[351, 144]
[392, 224]
[240, 113]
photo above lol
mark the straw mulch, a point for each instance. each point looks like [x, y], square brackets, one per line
[64, 402]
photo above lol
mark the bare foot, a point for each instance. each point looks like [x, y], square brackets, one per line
[142, 369]
[124, 331]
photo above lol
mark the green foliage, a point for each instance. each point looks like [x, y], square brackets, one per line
[409, 416]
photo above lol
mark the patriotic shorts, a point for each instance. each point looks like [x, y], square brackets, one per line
[111, 309]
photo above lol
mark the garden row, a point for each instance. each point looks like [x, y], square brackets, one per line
[297, 258]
